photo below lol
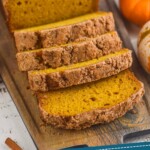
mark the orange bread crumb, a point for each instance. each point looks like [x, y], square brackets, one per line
[29, 13]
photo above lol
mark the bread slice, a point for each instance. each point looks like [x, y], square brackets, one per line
[69, 54]
[84, 105]
[29, 13]
[92, 70]
[63, 32]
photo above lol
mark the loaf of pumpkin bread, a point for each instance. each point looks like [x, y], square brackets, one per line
[92, 70]
[85, 105]
[68, 54]
[28, 13]
[64, 32]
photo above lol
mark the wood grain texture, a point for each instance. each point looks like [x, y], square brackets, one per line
[46, 137]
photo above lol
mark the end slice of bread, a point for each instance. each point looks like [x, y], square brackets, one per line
[85, 105]
[55, 57]
[75, 29]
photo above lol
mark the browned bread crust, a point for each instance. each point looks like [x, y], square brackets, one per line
[26, 40]
[93, 117]
[103, 69]
[70, 54]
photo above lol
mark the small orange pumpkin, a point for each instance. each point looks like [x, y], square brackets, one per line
[136, 11]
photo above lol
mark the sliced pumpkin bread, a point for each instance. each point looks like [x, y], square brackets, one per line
[63, 32]
[85, 105]
[29, 13]
[68, 54]
[92, 70]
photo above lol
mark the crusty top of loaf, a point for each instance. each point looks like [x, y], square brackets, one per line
[81, 64]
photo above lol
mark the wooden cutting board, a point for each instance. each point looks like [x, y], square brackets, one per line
[47, 138]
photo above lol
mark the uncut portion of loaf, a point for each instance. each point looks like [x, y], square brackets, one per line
[28, 13]
[69, 54]
[72, 30]
[85, 105]
[92, 70]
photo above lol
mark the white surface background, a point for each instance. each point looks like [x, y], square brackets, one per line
[11, 124]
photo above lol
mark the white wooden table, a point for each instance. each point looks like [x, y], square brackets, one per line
[11, 124]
